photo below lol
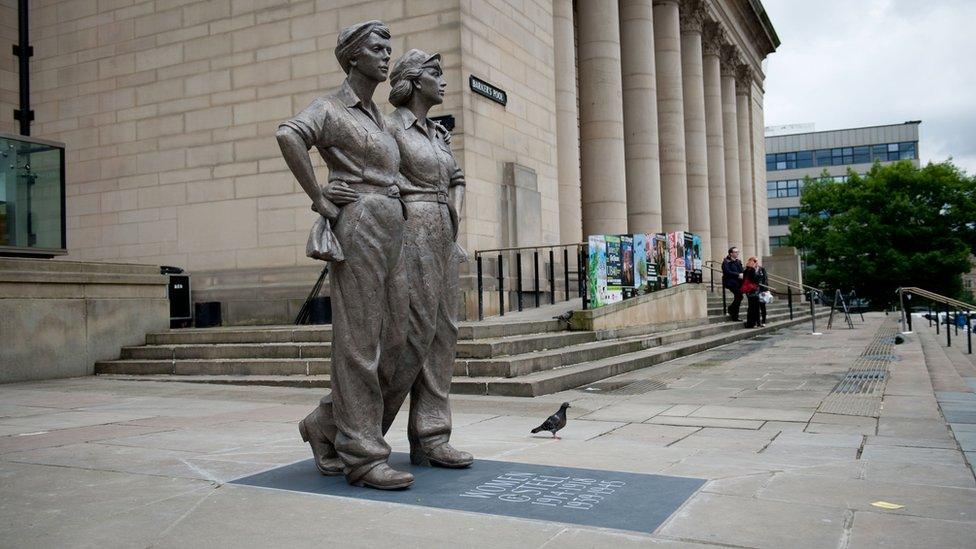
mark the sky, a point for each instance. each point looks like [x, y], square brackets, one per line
[852, 63]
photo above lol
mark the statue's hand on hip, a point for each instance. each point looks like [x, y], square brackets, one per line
[339, 193]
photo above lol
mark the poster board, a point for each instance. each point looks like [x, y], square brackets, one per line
[676, 256]
[640, 262]
[628, 274]
[693, 261]
[661, 261]
[596, 271]
[614, 291]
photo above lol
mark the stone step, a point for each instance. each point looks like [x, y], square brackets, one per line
[516, 345]
[216, 367]
[241, 334]
[528, 363]
[300, 381]
[481, 348]
[577, 375]
[62, 266]
[536, 384]
[323, 333]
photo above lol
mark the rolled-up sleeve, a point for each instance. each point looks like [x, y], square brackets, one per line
[310, 123]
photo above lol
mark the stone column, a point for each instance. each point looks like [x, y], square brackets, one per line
[693, 97]
[640, 116]
[567, 123]
[670, 116]
[747, 183]
[759, 169]
[730, 138]
[712, 79]
[604, 181]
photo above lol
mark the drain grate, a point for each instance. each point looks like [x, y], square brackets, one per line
[859, 392]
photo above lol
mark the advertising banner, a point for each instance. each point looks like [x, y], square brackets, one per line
[693, 252]
[640, 262]
[660, 260]
[676, 255]
[614, 292]
[628, 274]
[596, 271]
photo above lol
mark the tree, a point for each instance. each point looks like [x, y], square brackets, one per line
[897, 225]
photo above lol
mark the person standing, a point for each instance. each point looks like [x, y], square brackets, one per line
[368, 286]
[732, 281]
[763, 280]
[750, 287]
[432, 188]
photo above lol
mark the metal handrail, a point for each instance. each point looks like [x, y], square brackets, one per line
[537, 289]
[789, 292]
[782, 280]
[527, 248]
[906, 317]
[936, 297]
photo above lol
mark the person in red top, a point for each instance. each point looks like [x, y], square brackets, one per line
[750, 288]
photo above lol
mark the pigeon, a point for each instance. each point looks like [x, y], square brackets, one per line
[555, 422]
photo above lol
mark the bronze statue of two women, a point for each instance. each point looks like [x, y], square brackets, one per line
[389, 220]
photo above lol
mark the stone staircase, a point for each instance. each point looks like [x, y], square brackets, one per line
[518, 355]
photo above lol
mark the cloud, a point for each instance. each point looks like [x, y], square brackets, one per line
[847, 64]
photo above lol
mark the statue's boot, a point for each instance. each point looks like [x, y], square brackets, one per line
[326, 459]
[444, 455]
[384, 477]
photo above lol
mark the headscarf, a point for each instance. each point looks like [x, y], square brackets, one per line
[353, 37]
[406, 69]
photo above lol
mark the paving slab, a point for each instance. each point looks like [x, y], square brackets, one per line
[748, 522]
[894, 532]
[147, 464]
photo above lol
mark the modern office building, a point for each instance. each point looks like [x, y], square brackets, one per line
[791, 158]
[569, 118]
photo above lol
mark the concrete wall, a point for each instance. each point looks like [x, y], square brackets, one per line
[58, 317]
[682, 305]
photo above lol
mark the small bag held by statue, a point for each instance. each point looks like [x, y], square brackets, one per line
[322, 243]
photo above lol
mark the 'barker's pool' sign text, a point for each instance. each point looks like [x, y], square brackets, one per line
[485, 89]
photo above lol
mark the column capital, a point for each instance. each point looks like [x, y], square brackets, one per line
[743, 79]
[692, 15]
[659, 2]
[713, 38]
[730, 58]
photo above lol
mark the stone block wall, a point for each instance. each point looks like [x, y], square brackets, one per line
[168, 109]
[509, 45]
[57, 318]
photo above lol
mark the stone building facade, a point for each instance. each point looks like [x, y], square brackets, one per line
[621, 116]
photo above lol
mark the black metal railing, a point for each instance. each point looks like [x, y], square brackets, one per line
[548, 256]
[936, 302]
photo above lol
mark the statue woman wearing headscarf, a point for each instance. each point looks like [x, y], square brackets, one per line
[432, 188]
[362, 233]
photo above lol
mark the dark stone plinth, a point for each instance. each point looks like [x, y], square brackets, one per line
[589, 497]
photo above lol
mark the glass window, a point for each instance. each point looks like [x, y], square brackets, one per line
[31, 196]
[823, 157]
[862, 155]
[837, 152]
[771, 162]
[879, 152]
[907, 150]
[892, 147]
[804, 159]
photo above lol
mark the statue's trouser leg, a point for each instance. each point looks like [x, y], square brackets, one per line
[366, 290]
[432, 279]
[430, 409]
